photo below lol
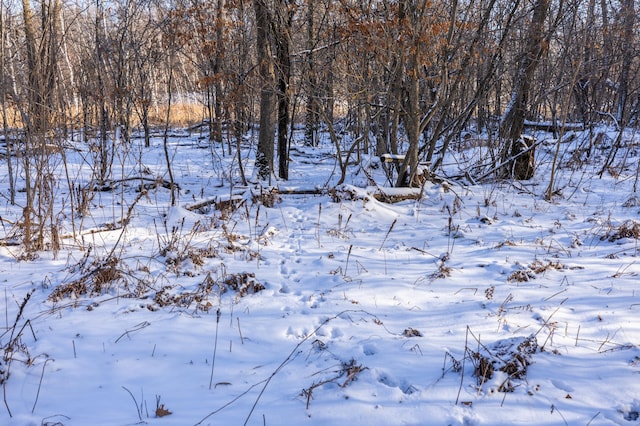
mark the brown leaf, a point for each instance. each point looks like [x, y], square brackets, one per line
[161, 411]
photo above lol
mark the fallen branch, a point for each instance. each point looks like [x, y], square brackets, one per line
[152, 183]
[219, 204]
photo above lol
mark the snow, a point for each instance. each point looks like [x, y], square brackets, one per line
[370, 313]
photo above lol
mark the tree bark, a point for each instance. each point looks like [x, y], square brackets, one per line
[282, 37]
[8, 140]
[628, 23]
[266, 68]
[512, 124]
[311, 107]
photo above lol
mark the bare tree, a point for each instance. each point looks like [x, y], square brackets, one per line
[627, 39]
[37, 109]
[281, 23]
[512, 124]
[4, 97]
[266, 67]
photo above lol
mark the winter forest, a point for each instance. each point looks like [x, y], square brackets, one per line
[319, 212]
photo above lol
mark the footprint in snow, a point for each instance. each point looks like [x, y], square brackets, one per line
[369, 349]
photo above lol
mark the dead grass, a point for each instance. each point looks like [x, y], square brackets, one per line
[627, 229]
[101, 276]
[411, 332]
[530, 272]
[511, 356]
[183, 115]
[348, 371]
[207, 293]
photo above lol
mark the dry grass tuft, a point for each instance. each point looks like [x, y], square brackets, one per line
[628, 229]
[98, 280]
[348, 370]
[243, 284]
[535, 268]
[411, 332]
[511, 356]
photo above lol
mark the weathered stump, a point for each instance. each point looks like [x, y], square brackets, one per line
[521, 165]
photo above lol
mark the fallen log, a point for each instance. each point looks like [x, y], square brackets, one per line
[551, 127]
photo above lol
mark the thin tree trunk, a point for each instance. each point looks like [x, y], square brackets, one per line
[311, 117]
[282, 25]
[3, 95]
[628, 18]
[28, 118]
[264, 154]
[165, 144]
[216, 67]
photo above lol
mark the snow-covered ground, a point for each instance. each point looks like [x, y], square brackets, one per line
[472, 305]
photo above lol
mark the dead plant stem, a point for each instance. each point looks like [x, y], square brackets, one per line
[464, 359]
[388, 232]
[39, 385]
[215, 348]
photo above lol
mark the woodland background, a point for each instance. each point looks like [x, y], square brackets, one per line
[174, 174]
[410, 77]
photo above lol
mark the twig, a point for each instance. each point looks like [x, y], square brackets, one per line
[388, 232]
[593, 418]
[215, 348]
[6, 309]
[51, 417]
[546, 322]
[464, 359]
[138, 327]
[347, 262]
[4, 395]
[554, 408]
[555, 294]
[18, 316]
[230, 402]
[138, 410]
[317, 225]
[240, 330]
[39, 385]
[13, 339]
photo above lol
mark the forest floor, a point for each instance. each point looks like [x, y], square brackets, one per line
[463, 304]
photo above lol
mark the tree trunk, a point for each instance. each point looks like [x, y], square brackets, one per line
[266, 68]
[216, 119]
[8, 140]
[512, 125]
[628, 22]
[311, 107]
[282, 37]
